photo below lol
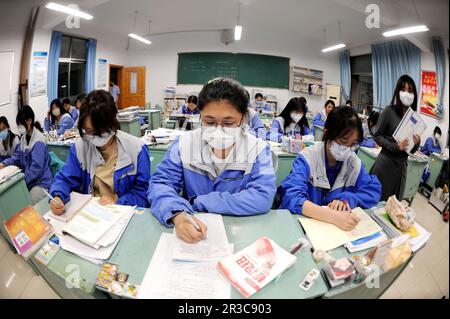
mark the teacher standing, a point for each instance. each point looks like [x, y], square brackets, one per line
[391, 165]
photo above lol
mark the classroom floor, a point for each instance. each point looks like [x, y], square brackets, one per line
[427, 276]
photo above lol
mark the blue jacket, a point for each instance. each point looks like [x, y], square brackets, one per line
[74, 114]
[277, 130]
[131, 175]
[319, 119]
[368, 142]
[185, 110]
[254, 123]
[64, 124]
[263, 106]
[246, 186]
[430, 146]
[308, 181]
[9, 150]
[33, 160]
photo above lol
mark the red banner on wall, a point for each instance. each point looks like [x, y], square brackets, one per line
[429, 94]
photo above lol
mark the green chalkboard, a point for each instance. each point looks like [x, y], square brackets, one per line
[249, 69]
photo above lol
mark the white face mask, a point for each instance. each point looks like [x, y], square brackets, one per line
[56, 112]
[22, 130]
[219, 137]
[99, 141]
[406, 98]
[340, 152]
[296, 117]
[437, 137]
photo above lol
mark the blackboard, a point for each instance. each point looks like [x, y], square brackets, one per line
[250, 69]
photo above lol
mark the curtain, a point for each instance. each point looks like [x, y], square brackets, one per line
[439, 56]
[346, 74]
[390, 60]
[53, 63]
[90, 64]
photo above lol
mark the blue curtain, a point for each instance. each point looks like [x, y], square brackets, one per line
[390, 60]
[346, 74]
[90, 64]
[53, 63]
[439, 56]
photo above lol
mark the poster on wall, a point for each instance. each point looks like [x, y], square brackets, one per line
[102, 74]
[38, 74]
[429, 94]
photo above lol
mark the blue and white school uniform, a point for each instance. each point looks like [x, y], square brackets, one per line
[34, 161]
[431, 146]
[277, 131]
[65, 123]
[6, 152]
[131, 175]
[262, 107]
[368, 140]
[314, 180]
[244, 187]
[74, 114]
[187, 111]
[256, 127]
[320, 118]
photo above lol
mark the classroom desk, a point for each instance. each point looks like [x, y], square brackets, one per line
[153, 118]
[157, 153]
[61, 150]
[318, 133]
[282, 162]
[413, 174]
[136, 247]
[14, 196]
[171, 124]
[435, 167]
[132, 127]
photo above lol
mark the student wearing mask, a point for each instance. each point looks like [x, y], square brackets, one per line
[219, 168]
[58, 118]
[320, 118]
[390, 166]
[73, 111]
[115, 92]
[252, 121]
[433, 144]
[292, 121]
[8, 140]
[105, 161]
[31, 155]
[330, 174]
[369, 130]
[261, 105]
[191, 108]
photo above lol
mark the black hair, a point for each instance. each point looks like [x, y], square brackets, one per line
[341, 121]
[329, 102]
[395, 102]
[100, 106]
[192, 99]
[224, 89]
[437, 129]
[62, 110]
[373, 118]
[295, 104]
[11, 135]
[303, 99]
[257, 95]
[26, 113]
[66, 101]
[349, 102]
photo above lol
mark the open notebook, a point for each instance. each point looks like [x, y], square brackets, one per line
[8, 172]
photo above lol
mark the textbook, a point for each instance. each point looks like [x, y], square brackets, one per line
[28, 231]
[77, 201]
[411, 123]
[252, 268]
[8, 172]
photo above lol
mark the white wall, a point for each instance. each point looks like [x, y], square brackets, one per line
[160, 59]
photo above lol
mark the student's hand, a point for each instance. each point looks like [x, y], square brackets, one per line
[186, 231]
[403, 144]
[2, 165]
[345, 220]
[338, 205]
[416, 139]
[105, 200]
[57, 206]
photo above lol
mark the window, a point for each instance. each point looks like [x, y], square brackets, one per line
[362, 82]
[72, 67]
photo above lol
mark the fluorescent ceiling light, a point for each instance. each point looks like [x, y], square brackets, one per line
[414, 29]
[237, 32]
[68, 10]
[139, 38]
[334, 47]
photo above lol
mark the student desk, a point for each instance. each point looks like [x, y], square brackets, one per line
[132, 127]
[153, 118]
[282, 162]
[157, 152]
[414, 171]
[61, 150]
[135, 249]
[171, 124]
[435, 167]
[14, 196]
[318, 133]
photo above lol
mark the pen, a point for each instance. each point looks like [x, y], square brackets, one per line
[49, 196]
[347, 205]
[296, 248]
[192, 221]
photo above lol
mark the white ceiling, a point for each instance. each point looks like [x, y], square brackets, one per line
[300, 20]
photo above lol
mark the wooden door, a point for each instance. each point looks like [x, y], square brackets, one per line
[132, 86]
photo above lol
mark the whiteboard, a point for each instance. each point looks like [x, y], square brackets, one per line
[6, 69]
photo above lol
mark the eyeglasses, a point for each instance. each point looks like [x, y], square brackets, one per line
[225, 124]
[354, 147]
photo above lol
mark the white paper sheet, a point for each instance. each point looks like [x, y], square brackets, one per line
[169, 279]
[77, 201]
[211, 248]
